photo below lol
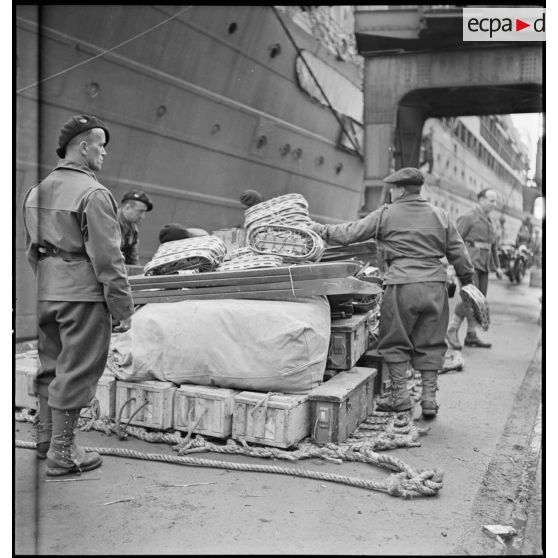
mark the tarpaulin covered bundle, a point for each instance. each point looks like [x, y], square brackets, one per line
[259, 345]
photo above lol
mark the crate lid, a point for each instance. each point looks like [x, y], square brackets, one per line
[154, 384]
[276, 401]
[207, 392]
[342, 385]
[349, 324]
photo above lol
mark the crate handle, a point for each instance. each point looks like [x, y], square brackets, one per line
[122, 434]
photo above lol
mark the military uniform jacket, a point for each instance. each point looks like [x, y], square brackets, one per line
[129, 242]
[476, 227]
[71, 211]
[413, 235]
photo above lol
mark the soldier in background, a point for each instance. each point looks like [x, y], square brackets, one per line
[135, 204]
[480, 236]
[72, 239]
[413, 237]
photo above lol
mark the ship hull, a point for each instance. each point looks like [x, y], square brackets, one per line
[198, 110]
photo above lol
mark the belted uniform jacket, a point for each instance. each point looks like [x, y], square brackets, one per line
[414, 237]
[71, 211]
[129, 242]
[475, 227]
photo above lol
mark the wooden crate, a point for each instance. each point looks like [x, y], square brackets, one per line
[26, 367]
[158, 396]
[339, 405]
[348, 342]
[373, 359]
[277, 420]
[212, 406]
[105, 397]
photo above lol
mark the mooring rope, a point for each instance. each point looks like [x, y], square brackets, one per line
[407, 483]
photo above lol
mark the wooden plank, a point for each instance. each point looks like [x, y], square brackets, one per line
[305, 271]
[340, 387]
[348, 285]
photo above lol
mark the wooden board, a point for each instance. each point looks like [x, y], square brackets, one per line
[282, 422]
[25, 371]
[248, 276]
[211, 408]
[105, 398]
[347, 285]
[373, 359]
[159, 399]
[339, 405]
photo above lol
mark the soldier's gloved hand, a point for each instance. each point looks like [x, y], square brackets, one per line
[124, 325]
[465, 280]
[313, 226]
[499, 273]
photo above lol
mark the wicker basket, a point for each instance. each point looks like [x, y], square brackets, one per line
[202, 253]
[288, 210]
[253, 261]
[293, 244]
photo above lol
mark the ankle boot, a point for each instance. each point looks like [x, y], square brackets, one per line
[428, 396]
[452, 339]
[399, 399]
[44, 427]
[65, 456]
[472, 340]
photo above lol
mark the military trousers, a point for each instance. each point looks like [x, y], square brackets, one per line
[481, 282]
[413, 322]
[73, 344]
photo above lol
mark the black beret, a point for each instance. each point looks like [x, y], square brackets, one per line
[409, 176]
[173, 231]
[76, 125]
[138, 195]
[250, 198]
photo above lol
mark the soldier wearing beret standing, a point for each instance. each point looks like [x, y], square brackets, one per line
[73, 245]
[135, 204]
[481, 238]
[413, 236]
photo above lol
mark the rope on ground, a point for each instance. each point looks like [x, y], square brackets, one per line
[406, 483]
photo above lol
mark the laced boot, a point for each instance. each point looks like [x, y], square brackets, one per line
[399, 399]
[472, 340]
[428, 396]
[452, 339]
[44, 427]
[64, 456]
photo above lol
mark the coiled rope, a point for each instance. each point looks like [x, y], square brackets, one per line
[407, 483]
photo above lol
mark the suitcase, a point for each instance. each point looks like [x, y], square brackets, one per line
[157, 396]
[212, 406]
[339, 405]
[348, 342]
[276, 420]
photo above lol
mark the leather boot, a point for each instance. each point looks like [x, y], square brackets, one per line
[399, 399]
[472, 340]
[65, 456]
[428, 396]
[44, 427]
[452, 339]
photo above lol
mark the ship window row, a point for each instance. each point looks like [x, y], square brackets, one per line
[461, 131]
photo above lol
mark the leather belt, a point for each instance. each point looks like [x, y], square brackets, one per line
[54, 252]
[479, 244]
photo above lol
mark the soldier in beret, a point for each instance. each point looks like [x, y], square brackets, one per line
[479, 233]
[135, 204]
[72, 241]
[413, 237]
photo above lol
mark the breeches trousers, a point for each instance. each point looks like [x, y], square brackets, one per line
[74, 339]
[413, 322]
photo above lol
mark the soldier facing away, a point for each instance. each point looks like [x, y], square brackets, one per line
[413, 236]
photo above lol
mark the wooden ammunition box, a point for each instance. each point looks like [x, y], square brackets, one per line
[373, 359]
[277, 420]
[155, 398]
[211, 406]
[26, 367]
[339, 405]
[348, 342]
[105, 397]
